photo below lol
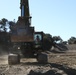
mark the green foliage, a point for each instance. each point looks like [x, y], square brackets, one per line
[4, 35]
[11, 23]
[48, 37]
[65, 42]
[3, 21]
[47, 41]
[3, 25]
[72, 40]
[57, 38]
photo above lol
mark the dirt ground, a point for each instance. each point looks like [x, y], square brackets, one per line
[59, 64]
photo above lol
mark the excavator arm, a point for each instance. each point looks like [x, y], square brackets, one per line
[24, 8]
[25, 11]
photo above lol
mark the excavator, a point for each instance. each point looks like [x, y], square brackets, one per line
[24, 35]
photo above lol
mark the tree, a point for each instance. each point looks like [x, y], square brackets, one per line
[3, 25]
[6, 25]
[47, 42]
[11, 23]
[72, 40]
[57, 39]
[65, 42]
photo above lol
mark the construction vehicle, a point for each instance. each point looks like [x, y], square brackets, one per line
[24, 35]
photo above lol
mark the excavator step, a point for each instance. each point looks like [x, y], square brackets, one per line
[13, 59]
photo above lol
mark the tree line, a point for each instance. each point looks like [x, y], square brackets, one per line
[6, 26]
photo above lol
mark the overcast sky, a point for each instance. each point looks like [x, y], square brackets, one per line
[57, 17]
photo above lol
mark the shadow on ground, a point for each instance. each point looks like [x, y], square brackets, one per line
[54, 70]
[67, 70]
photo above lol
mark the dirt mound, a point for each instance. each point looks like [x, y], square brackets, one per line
[71, 47]
[3, 49]
[61, 48]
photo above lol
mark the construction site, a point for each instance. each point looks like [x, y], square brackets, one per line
[29, 53]
[59, 63]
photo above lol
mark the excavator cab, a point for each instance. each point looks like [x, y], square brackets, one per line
[38, 40]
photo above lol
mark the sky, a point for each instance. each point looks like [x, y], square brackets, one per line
[57, 17]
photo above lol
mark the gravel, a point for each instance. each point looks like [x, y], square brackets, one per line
[59, 64]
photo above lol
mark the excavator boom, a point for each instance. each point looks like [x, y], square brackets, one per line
[24, 8]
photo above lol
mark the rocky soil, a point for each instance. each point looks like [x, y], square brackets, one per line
[59, 64]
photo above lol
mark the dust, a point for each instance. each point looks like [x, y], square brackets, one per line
[3, 56]
[3, 59]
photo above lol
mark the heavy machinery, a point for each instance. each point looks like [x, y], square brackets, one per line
[23, 34]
